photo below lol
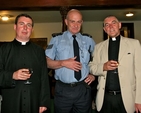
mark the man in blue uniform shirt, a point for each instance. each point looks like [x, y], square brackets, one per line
[72, 94]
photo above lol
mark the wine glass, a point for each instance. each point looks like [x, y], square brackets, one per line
[27, 82]
[116, 70]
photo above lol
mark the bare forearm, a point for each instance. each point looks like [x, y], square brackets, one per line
[54, 64]
[67, 63]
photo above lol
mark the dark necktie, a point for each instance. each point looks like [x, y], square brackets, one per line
[76, 53]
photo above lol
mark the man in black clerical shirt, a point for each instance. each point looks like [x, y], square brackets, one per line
[116, 62]
[23, 72]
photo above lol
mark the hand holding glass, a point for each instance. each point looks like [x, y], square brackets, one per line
[27, 81]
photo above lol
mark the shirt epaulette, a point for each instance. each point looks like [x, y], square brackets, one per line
[85, 34]
[56, 34]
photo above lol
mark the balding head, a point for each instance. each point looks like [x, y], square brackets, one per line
[74, 21]
[73, 11]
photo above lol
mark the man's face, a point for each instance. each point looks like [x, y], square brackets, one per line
[23, 28]
[74, 22]
[112, 26]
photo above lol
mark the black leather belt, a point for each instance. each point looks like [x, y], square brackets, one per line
[113, 92]
[70, 84]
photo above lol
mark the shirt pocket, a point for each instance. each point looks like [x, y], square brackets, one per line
[85, 55]
[63, 52]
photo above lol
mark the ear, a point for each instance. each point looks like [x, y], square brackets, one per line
[82, 21]
[15, 26]
[66, 21]
[119, 25]
[104, 29]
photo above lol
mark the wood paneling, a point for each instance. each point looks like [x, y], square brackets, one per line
[29, 4]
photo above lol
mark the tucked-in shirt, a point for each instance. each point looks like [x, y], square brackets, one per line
[61, 48]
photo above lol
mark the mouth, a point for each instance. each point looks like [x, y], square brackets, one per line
[112, 31]
[25, 33]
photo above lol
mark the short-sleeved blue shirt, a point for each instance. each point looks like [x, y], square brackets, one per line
[61, 48]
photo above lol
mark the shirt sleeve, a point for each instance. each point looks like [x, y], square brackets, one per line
[51, 49]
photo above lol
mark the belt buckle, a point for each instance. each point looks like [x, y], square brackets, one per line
[114, 92]
[73, 84]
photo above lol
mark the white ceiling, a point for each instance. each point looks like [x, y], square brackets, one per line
[88, 15]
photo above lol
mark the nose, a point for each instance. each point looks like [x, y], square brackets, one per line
[110, 25]
[25, 27]
[76, 24]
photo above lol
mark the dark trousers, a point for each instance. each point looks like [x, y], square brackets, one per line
[72, 99]
[113, 104]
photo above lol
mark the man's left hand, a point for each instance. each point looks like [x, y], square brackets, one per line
[138, 108]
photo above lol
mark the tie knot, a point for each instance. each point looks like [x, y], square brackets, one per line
[74, 36]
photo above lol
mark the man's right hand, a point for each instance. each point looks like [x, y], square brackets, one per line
[110, 65]
[21, 74]
[71, 63]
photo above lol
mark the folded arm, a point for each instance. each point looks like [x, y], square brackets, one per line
[68, 63]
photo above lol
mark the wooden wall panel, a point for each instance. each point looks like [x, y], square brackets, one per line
[14, 4]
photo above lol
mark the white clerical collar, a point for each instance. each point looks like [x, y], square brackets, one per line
[113, 39]
[22, 43]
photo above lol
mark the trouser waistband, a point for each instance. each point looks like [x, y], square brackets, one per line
[113, 92]
[70, 84]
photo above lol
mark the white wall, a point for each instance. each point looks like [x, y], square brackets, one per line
[137, 30]
[43, 30]
[95, 29]
[7, 32]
